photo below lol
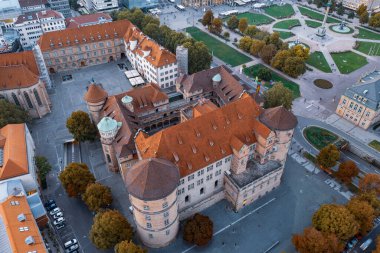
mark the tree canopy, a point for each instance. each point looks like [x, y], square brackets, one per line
[371, 198]
[75, 178]
[128, 246]
[199, 56]
[264, 74]
[207, 18]
[12, 114]
[335, 219]
[198, 230]
[243, 24]
[377, 250]
[314, 241]
[328, 156]
[97, 196]
[109, 228]
[361, 9]
[43, 168]
[374, 20]
[370, 182]
[233, 22]
[278, 95]
[363, 213]
[80, 126]
[347, 170]
[364, 17]
[216, 26]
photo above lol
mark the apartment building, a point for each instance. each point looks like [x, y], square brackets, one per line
[61, 6]
[87, 20]
[104, 5]
[32, 5]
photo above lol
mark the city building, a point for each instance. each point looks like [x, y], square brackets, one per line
[200, 3]
[32, 5]
[372, 5]
[61, 6]
[32, 25]
[155, 63]
[9, 9]
[104, 5]
[87, 20]
[22, 84]
[9, 41]
[236, 152]
[360, 104]
[144, 5]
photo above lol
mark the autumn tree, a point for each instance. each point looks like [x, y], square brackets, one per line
[267, 53]
[335, 219]
[314, 241]
[251, 31]
[363, 19]
[328, 156]
[371, 198]
[264, 74]
[278, 95]
[245, 43]
[233, 22]
[75, 178]
[275, 39]
[243, 24]
[300, 51]
[199, 56]
[363, 213]
[109, 228]
[347, 170]
[127, 246]
[280, 58]
[216, 26]
[12, 114]
[80, 126]
[43, 168]
[361, 9]
[198, 230]
[374, 20]
[377, 250]
[97, 196]
[370, 182]
[294, 66]
[207, 18]
[256, 47]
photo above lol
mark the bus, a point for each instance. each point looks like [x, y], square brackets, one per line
[180, 7]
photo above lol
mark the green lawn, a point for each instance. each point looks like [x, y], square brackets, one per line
[277, 11]
[312, 23]
[285, 35]
[369, 48]
[348, 61]
[254, 18]
[365, 34]
[316, 59]
[218, 48]
[287, 24]
[253, 72]
[375, 144]
[319, 137]
[316, 15]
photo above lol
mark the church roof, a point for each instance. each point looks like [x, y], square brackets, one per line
[95, 94]
[278, 118]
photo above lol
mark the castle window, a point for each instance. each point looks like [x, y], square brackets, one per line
[37, 96]
[146, 207]
[150, 236]
[219, 163]
[167, 232]
[108, 158]
[147, 217]
[15, 99]
[166, 214]
[165, 205]
[166, 222]
[209, 168]
[216, 183]
[149, 225]
[187, 198]
[28, 101]
[201, 191]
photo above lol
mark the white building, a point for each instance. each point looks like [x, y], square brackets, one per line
[102, 5]
[32, 5]
[32, 25]
[155, 63]
[9, 9]
[372, 5]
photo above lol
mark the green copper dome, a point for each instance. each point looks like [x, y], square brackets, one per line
[217, 78]
[107, 124]
[127, 99]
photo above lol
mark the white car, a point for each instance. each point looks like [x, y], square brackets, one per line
[69, 243]
[55, 210]
[58, 215]
[59, 221]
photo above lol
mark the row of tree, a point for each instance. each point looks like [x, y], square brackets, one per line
[199, 56]
[373, 20]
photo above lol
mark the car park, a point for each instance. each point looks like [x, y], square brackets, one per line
[72, 248]
[59, 226]
[49, 202]
[58, 221]
[55, 210]
[365, 244]
[70, 243]
[58, 215]
[51, 207]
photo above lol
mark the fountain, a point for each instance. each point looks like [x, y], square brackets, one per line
[341, 28]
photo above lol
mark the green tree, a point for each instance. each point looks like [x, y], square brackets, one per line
[148, 19]
[361, 9]
[375, 20]
[199, 56]
[216, 26]
[267, 53]
[97, 196]
[351, 15]
[123, 14]
[128, 246]
[198, 230]
[152, 30]
[340, 9]
[251, 31]
[12, 114]
[80, 126]
[370, 182]
[233, 22]
[328, 156]
[137, 18]
[245, 43]
[109, 228]
[264, 74]
[75, 178]
[335, 219]
[207, 18]
[363, 213]
[274, 39]
[294, 66]
[256, 47]
[43, 168]
[226, 35]
[278, 95]
[314, 241]
[243, 24]
[280, 58]
[363, 19]
[347, 170]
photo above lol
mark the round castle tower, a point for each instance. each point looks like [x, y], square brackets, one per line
[95, 98]
[128, 102]
[152, 187]
[108, 129]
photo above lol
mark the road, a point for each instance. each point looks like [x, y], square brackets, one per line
[373, 234]
[72, 153]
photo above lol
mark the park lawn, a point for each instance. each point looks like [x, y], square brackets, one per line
[224, 52]
[253, 72]
[375, 144]
[316, 15]
[319, 137]
[255, 19]
[317, 60]
[312, 23]
[369, 48]
[349, 61]
[277, 11]
[287, 24]
[365, 34]
[284, 35]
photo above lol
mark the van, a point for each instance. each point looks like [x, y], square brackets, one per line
[365, 244]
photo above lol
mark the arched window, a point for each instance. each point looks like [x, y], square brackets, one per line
[28, 101]
[15, 99]
[37, 96]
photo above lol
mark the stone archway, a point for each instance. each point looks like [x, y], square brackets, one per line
[82, 63]
[111, 59]
[51, 70]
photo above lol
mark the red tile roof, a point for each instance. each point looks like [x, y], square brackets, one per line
[85, 20]
[95, 94]
[25, 58]
[27, 3]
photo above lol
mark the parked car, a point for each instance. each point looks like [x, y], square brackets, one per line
[352, 243]
[55, 210]
[70, 243]
[58, 215]
[58, 221]
[59, 226]
[51, 207]
[365, 244]
[49, 202]
[72, 248]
